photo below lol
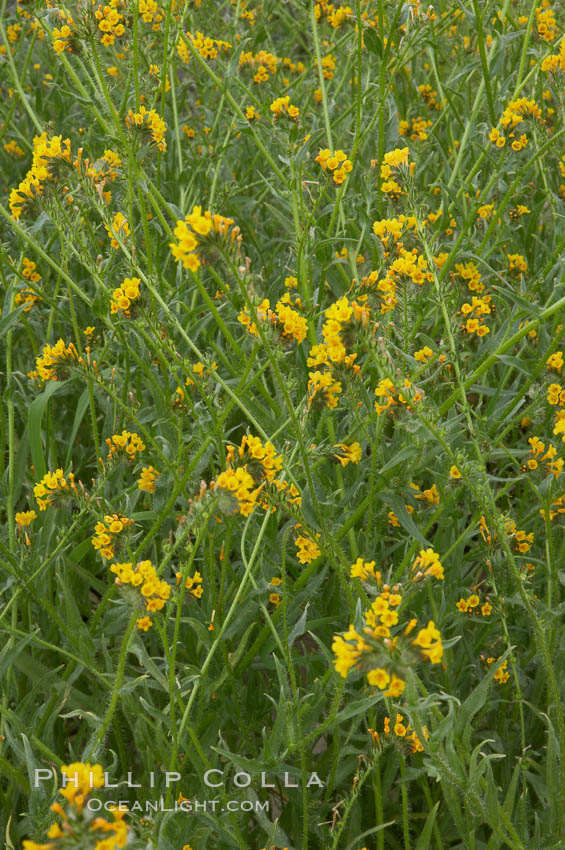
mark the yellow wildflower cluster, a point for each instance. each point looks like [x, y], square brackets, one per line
[110, 22]
[126, 443]
[472, 605]
[556, 395]
[429, 494]
[517, 263]
[545, 22]
[486, 212]
[196, 228]
[281, 107]
[207, 47]
[79, 781]
[470, 274]
[308, 549]
[502, 675]
[151, 13]
[146, 481]
[50, 156]
[54, 490]
[515, 113]
[430, 96]
[393, 519]
[391, 228]
[416, 129]
[400, 730]
[263, 63]
[13, 148]
[393, 396]
[409, 265]
[153, 590]
[395, 163]
[335, 15]
[348, 453]
[518, 211]
[429, 642]
[344, 255]
[336, 163]
[29, 270]
[342, 320]
[556, 61]
[423, 355]
[241, 489]
[291, 324]
[539, 455]
[25, 518]
[252, 451]
[365, 570]
[192, 584]
[151, 125]
[559, 429]
[557, 507]
[64, 38]
[119, 227]
[328, 67]
[104, 169]
[54, 361]
[24, 295]
[555, 361]
[427, 564]
[123, 295]
[324, 382]
[292, 493]
[103, 539]
[522, 540]
[382, 657]
[474, 313]
[13, 32]
[263, 311]
[257, 462]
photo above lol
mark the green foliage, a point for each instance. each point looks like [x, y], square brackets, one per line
[356, 307]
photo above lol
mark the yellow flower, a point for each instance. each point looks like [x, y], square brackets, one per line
[378, 677]
[396, 687]
[147, 479]
[151, 123]
[25, 518]
[281, 107]
[120, 227]
[336, 163]
[308, 549]
[423, 354]
[350, 453]
[427, 564]
[54, 490]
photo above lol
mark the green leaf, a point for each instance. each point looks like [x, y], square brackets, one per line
[423, 842]
[373, 42]
[6, 322]
[299, 628]
[82, 405]
[34, 418]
